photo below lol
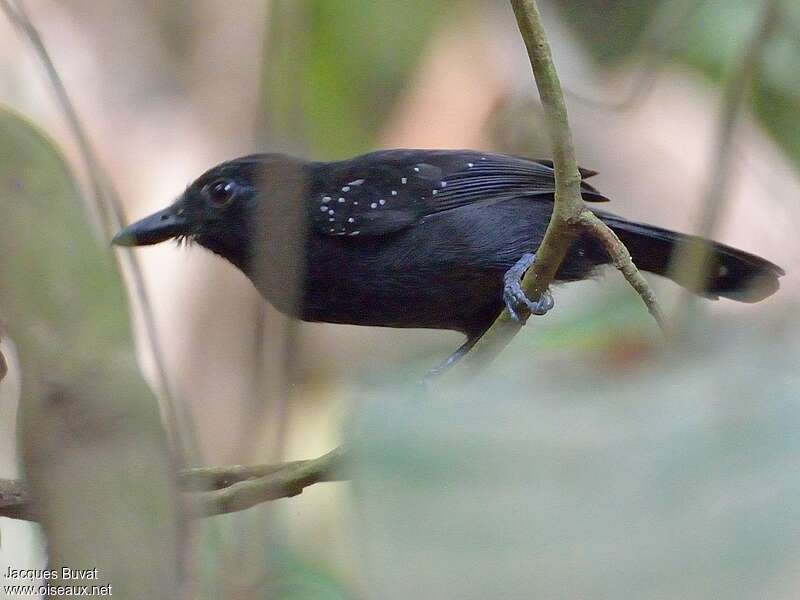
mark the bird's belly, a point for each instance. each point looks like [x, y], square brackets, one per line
[431, 276]
[445, 272]
[400, 299]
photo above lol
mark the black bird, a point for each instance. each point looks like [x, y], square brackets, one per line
[412, 238]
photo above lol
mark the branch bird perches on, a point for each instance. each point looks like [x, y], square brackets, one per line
[570, 215]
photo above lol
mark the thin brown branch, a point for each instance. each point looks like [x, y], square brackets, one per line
[285, 481]
[14, 500]
[108, 206]
[216, 478]
[216, 490]
[563, 226]
[691, 263]
[622, 260]
[568, 209]
[204, 479]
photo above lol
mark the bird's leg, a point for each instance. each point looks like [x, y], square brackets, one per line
[514, 298]
[513, 295]
[451, 360]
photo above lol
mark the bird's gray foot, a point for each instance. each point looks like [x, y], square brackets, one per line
[515, 298]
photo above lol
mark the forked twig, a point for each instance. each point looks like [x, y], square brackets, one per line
[568, 218]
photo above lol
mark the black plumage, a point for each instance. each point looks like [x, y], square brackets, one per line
[412, 238]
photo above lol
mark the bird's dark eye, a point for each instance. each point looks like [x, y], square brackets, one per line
[220, 193]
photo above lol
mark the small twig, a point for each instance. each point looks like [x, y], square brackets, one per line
[216, 490]
[691, 262]
[3, 366]
[285, 481]
[216, 478]
[14, 500]
[622, 260]
[204, 479]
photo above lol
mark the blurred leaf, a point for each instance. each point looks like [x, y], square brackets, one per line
[93, 447]
[60, 291]
[567, 478]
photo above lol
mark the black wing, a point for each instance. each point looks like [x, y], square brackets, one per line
[387, 191]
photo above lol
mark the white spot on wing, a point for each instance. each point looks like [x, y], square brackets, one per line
[373, 205]
[356, 182]
[346, 188]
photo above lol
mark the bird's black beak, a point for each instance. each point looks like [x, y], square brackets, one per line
[158, 227]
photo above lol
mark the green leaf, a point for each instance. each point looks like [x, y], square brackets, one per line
[91, 436]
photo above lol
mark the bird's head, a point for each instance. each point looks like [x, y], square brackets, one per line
[219, 210]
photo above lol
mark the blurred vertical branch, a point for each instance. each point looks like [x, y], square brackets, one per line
[108, 206]
[280, 126]
[657, 43]
[282, 120]
[570, 216]
[3, 363]
[691, 262]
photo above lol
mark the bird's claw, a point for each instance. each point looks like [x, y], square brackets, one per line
[515, 298]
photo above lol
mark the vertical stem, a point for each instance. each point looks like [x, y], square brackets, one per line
[691, 262]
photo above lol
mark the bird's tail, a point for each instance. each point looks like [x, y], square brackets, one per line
[733, 273]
